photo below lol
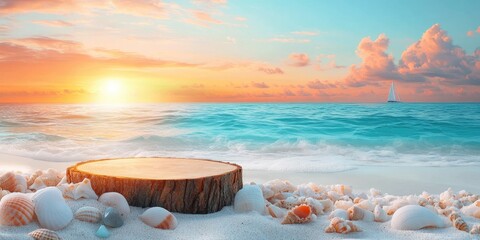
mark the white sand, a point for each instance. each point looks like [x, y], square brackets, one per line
[227, 224]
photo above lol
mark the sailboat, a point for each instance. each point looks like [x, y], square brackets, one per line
[392, 95]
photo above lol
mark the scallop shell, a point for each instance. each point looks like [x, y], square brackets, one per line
[21, 182]
[84, 190]
[249, 198]
[298, 214]
[88, 214]
[117, 201]
[275, 211]
[44, 234]
[380, 214]
[339, 225]
[34, 176]
[51, 209]
[158, 217]
[475, 229]
[4, 193]
[356, 213]
[458, 222]
[8, 181]
[16, 209]
[414, 217]
[340, 213]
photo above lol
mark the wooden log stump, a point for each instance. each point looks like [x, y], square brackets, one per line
[176, 184]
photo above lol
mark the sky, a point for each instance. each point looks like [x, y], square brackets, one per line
[115, 51]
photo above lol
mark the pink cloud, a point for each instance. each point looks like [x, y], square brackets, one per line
[318, 84]
[259, 85]
[55, 6]
[434, 57]
[376, 64]
[145, 8]
[205, 17]
[270, 70]
[470, 33]
[53, 23]
[331, 63]
[478, 29]
[298, 59]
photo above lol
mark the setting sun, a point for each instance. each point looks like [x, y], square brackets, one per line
[113, 87]
[112, 90]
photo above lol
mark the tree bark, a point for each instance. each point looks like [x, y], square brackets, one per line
[176, 184]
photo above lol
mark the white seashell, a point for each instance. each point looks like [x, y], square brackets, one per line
[356, 213]
[117, 201]
[21, 183]
[343, 189]
[8, 181]
[37, 184]
[339, 213]
[380, 214]
[63, 181]
[366, 205]
[158, 217]
[414, 217]
[345, 205]
[339, 225]
[84, 190]
[458, 222]
[4, 193]
[275, 211]
[88, 214]
[16, 209]
[51, 209]
[67, 190]
[475, 229]
[375, 192]
[249, 198]
[278, 186]
[44, 234]
[472, 210]
[299, 214]
[34, 176]
[327, 205]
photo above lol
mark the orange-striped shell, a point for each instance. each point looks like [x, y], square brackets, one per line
[44, 234]
[298, 214]
[16, 209]
[158, 217]
[8, 181]
[88, 214]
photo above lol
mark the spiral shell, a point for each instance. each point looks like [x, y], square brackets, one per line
[117, 201]
[342, 204]
[275, 211]
[8, 181]
[339, 225]
[298, 214]
[16, 209]
[44, 234]
[79, 190]
[88, 214]
[158, 217]
[458, 222]
[356, 213]
[51, 209]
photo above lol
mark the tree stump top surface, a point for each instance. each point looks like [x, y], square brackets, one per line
[156, 168]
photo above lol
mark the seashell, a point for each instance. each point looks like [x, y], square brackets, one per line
[278, 186]
[37, 185]
[422, 202]
[117, 201]
[275, 211]
[51, 209]
[472, 210]
[4, 193]
[34, 176]
[21, 182]
[44, 234]
[88, 214]
[249, 198]
[339, 225]
[298, 214]
[339, 213]
[112, 218]
[67, 190]
[475, 229]
[356, 213]
[379, 214]
[334, 196]
[345, 205]
[102, 232]
[343, 189]
[327, 205]
[8, 181]
[458, 222]
[63, 181]
[291, 202]
[375, 192]
[357, 200]
[16, 209]
[414, 217]
[158, 217]
[366, 205]
[84, 190]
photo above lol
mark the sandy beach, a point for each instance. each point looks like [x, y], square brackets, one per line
[227, 224]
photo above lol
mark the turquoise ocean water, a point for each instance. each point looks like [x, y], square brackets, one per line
[294, 137]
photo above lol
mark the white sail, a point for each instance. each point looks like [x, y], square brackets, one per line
[392, 96]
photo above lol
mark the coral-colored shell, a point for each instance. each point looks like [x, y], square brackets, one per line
[339, 225]
[158, 217]
[458, 222]
[16, 209]
[44, 234]
[117, 201]
[8, 181]
[51, 209]
[298, 214]
[79, 190]
[414, 217]
[249, 198]
[88, 214]
[345, 205]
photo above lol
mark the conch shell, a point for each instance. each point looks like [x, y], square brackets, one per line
[356, 213]
[275, 211]
[79, 190]
[298, 214]
[458, 222]
[339, 225]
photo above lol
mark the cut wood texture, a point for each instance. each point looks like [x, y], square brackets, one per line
[176, 184]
